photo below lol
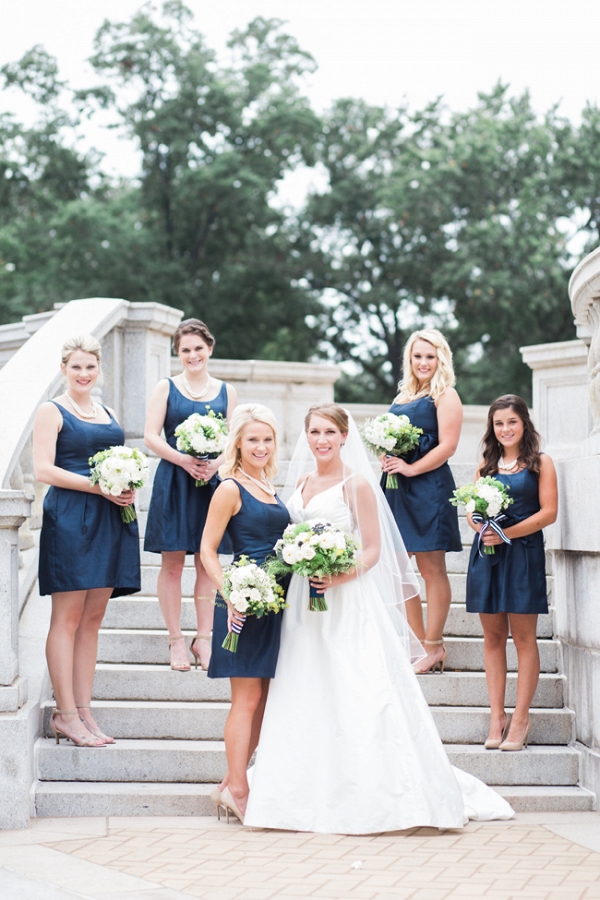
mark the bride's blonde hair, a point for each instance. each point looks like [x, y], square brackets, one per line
[443, 377]
[244, 415]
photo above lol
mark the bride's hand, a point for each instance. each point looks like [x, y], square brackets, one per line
[322, 584]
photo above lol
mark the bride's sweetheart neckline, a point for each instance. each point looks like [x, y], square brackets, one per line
[305, 505]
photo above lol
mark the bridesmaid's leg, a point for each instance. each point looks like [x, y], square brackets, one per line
[67, 610]
[257, 720]
[432, 566]
[169, 598]
[414, 614]
[86, 652]
[204, 596]
[246, 698]
[495, 636]
[523, 628]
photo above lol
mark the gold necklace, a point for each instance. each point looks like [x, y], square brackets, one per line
[263, 484]
[193, 395]
[78, 409]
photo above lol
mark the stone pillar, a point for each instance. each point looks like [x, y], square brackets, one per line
[14, 509]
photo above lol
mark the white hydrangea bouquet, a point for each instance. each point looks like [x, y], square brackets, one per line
[390, 434]
[252, 592]
[119, 469]
[314, 549]
[202, 436]
[485, 501]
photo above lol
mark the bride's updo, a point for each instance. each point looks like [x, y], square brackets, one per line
[332, 411]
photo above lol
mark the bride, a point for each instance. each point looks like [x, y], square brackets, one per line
[348, 744]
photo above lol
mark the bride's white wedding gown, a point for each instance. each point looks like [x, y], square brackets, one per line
[348, 744]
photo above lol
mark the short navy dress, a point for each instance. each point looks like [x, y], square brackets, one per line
[421, 504]
[513, 579]
[254, 531]
[84, 544]
[178, 508]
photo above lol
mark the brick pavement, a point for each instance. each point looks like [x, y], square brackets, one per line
[212, 861]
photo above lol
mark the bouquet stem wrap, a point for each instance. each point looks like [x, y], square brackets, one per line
[231, 641]
[391, 482]
[316, 602]
[494, 524]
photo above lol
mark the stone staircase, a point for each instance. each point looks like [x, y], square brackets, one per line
[169, 724]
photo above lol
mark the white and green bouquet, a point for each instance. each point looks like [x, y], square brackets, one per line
[390, 434]
[119, 469]
[314, 549]
[486, 501]
[202, 436]
[252, 592]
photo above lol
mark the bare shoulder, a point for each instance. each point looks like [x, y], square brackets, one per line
[547, 466]
[232, 397]
[361, 485]
[161, 391]
[449, 399]
[48, 413]
[227, 491]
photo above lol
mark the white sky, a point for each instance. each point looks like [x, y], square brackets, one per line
[386, 51]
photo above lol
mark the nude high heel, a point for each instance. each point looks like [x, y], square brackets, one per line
[230, 805]
[97, 733]
[180, 667]
[418, 670]
[85, 740]
[215, 796]
[492, 744]
[518, 745]
[199, 637]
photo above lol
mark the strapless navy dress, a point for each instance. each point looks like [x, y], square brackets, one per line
[254, 531]
[513, 580]
[420, 505]
[178, 508]
[84, 544]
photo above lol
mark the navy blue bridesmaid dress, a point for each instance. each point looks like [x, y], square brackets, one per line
[421, 504]
[84, 544]
[178, 508]
[254, 531]
[513, 579]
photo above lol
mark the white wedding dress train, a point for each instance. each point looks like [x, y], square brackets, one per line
[348, 744]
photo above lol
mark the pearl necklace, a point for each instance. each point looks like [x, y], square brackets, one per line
[263, 484]
[78, 409]
[192, 394]
[507, 468]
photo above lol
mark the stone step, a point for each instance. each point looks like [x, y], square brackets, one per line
[144, 612]
[204, 761]
[205, 721]
[64, 798]
[142, 682]
[152, 647]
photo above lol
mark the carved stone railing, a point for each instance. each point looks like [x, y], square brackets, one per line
[584, 291]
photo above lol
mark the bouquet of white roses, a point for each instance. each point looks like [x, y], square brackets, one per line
[390, 434]
[485, 500]
[119, 469]
[202, 436]
[252, 592]
[313, 549]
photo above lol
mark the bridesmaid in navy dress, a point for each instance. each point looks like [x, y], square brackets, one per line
[87, 554]
[508, 589]
[178, 508]
[420, 505]
[247, 507]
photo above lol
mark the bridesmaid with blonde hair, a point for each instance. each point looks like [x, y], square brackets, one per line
[420, 505]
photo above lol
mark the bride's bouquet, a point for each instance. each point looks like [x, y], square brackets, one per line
[485, 500]
[202, 436]
[252, 592]
[314, 549]
[390, 434]
[119, 469]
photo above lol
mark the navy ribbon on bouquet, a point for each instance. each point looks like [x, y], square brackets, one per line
[494, 524]
[237, 626]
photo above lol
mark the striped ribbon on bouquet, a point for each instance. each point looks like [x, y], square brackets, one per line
[231, 639]
[494, 524]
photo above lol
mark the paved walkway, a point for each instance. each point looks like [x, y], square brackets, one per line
[537, 856]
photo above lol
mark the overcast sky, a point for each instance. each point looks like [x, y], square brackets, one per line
[387, 51]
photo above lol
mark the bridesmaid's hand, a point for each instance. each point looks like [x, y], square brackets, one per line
[233, 614]
[208, 468]
[490, 538]
[124, 499]
[396, 465]
[193, 466]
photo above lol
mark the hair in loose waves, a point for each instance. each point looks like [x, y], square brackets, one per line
[529, 449]
[242, 416]
[335, 413]
[193, 326]
[443, 377]
[84, 342]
